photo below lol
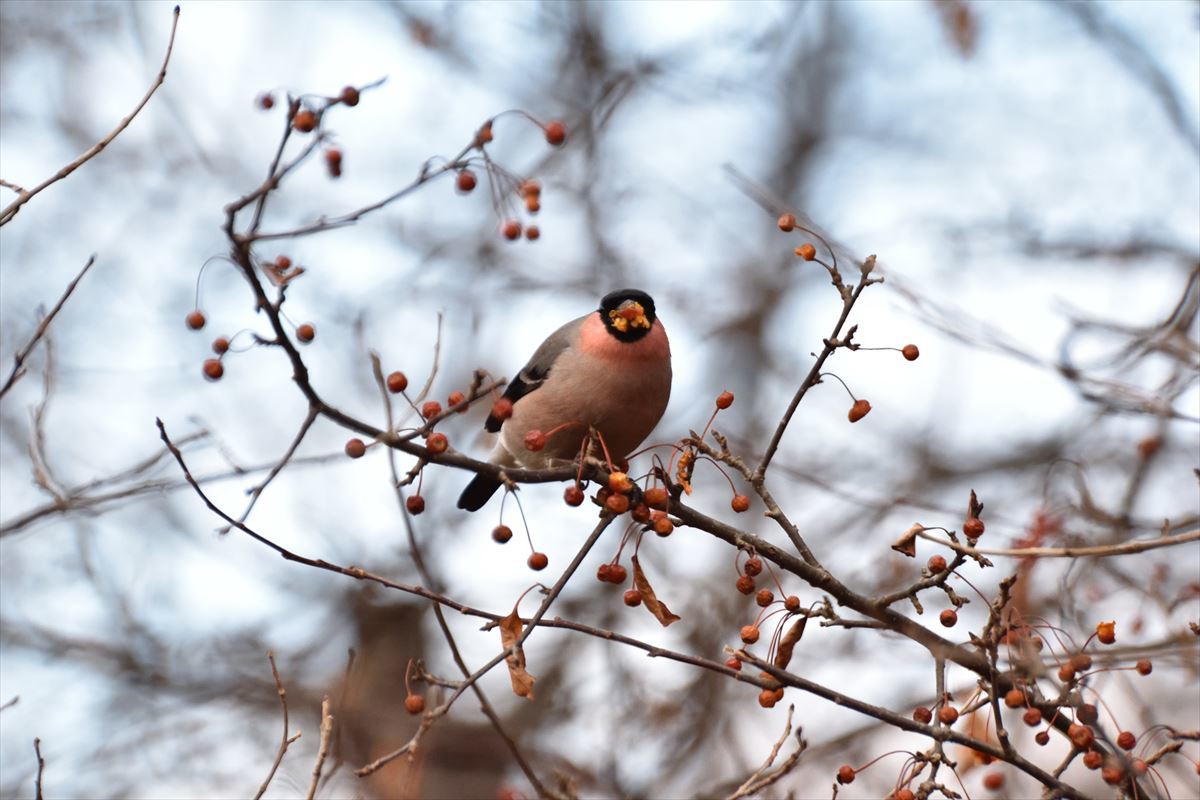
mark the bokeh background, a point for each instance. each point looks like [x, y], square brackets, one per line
[1027, 172]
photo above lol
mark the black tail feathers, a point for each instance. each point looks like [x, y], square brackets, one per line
[478, 492]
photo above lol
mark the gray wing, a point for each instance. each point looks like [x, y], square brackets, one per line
[534, 373]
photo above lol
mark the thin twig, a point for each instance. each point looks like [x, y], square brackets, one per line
[762, 778]
[257, 491]
[24, 197]
[19, 359]
[1098, 551]
[285, 740]
[323, 750]
[41, 764]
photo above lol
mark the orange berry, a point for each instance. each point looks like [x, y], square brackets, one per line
[619, 482]
[1149, 446]
[734, 663]
[859, 410]
[414, 704]
[1081, 735]
[304, 121]
[1032, 717]
[641, 513]
[745, 584]
[530, 188]
[749, 634]
[904, 794]
[910, 352]
[333, 161]
[430, 409]
[993, 781]
[537, 561]
[1113, 774]
[1106, 632]
[457, 398]
[973, 528]
[415, 504]
[195, 319]
[740, 503]
[1015, 698]
[1144, 667]
[220, 345]
[617, 574]
[656, 497]
[397, 382]
[213, 369]
[1092, 760]
[533, 204]
[922, 715]
[437, 443]
[1066, 673]
[306, 332]
[617, 503]
[936, 564]
[465, 182]
[501, 534]
[349, 96]
[663, 526]
[556, 133]
[484, 134]
[265, 101]
[754, 566]
[845, 774]
[283, 262]
[532, 233]
[792, 603]
[511, 230]
[947, 715]
[356, 448]
[573, 495]
[1082, 662]
[502, 409]
[949, 618]
[1126, 740]
[632, 598]
[806, 251]
[766, 698]
[603, 572]
[764, 597]
[724, 400]
[787, 223]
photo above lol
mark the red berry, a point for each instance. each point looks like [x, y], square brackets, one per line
[220, 345]
[936, 564]
[414, 704]
[845, 774]
[1015, 698]
[641, 513]
[556, 133]
[859, 410]
[437, 443]
[910, 352]
[603, 572]
[529, 188]
[511, 230]
[1113, 774]
[573, 495]
[745, 584]
[949, 618]
[754, 566]
[195, 320]
[922, 715]
[333, 161]
[1144, 667]
[749, 634]
[501, 534]
[740, 503]
[282, 262]
[415, 504]
[764, 597]
[904, 794]
[993, 781]
[304, 121]
[947, 715]
[806, 251]
[533, 233]
[265, 101]
[792, 603]
[430, 409]
[349, 96]
[306, 332]
[1032, 717]
[766, 698]
[1088, 713]
[1066, 673]
[1092, 759]
[663, 526]
[1106, 632]
[535, 440]
[724, 400]
[465, 181]
[397, 382]
[1081, 735]
[213, 369]
[617, 574]
[1042, 738]
[1126, 740]
[537, 561]
[973, 528]
[502, 409]
[787, 223]
[632, 598]
[617, 503]
[457, 399]
[356, 448]
[734, 663]
[619, 482]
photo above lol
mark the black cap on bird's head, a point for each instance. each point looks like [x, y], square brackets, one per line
[628, 314]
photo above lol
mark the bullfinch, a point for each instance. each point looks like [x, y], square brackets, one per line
[609, 370]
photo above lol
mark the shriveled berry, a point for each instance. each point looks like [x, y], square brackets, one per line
[656, 497]
[195, 319]
[1042, 738]
[535, 440]
[740, 503]
[792, 603]
[1015, 698]
[1106, 632]
[414, 704]
[845, 774]
[745, 584]
[502, 533]
[764, 597]
[1032, 717]
[1126, 740]
[617, 574]
[910, 352]
[806, 251]
[465, 182]
[1144, 666]
[533, 232]
[397, 382]
[415, 504]
[220, 345]
[457, 398]
[437, 443]
[922, 715]
[502, 409]
[936, 564]
[356, 448]
[556, 133]
[573, 495]
[754, 566]
[1081, 735]
[724, 400]
[603, 572]
[1092, 759]
[537, 561]
[973, 528]
[306, 332]
[859, 410]
[617, 503]
[947, 715]
[749, 634]
[766, 698]
[1066, 673]
[787, 223]
[948, 618]
[430, 409]
[484, 134]
[1082, 662]
[619, 482]
[663, 526]
[213, 370]
[632, 598]
[511, 230]
[1088, 713]
[304, 121]
[349, 96]
[641, 513]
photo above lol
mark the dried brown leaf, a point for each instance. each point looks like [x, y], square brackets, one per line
[649, 599]
[907, 544]
[783, 655]
[510, 631]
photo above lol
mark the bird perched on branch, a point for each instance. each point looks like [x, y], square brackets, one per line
[609, 370]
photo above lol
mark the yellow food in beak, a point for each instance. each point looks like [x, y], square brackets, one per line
[629, 314]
